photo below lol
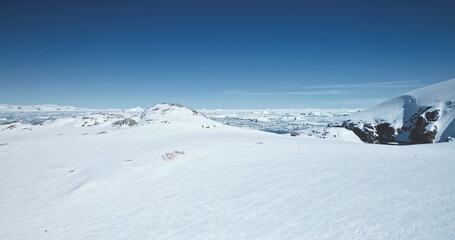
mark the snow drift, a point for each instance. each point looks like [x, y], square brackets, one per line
[425, 115]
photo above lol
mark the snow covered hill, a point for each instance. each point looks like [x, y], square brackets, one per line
[175, 114]
[171, 177]
[57, 108]
[425, 115]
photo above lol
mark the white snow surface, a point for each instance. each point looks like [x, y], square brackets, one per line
[398, 110]
[436, 93]
[333, 133]
[179, 180]
[136, 109]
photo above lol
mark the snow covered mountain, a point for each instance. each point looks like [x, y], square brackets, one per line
[57, 108]
[175, 114]
[42, 107]
[425, 115]
[136, 109]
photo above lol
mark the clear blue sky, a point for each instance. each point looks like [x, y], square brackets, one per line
[222, 54]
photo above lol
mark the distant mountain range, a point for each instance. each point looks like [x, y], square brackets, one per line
[53, 107]
[42, 107]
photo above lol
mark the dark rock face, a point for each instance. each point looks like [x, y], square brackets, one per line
[125, 122]
[420, 132]
[362, 132]
[181, 106]
[432, 116]
[418, 128]
[380, 133]
[386, 133]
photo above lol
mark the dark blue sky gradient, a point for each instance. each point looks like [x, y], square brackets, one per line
[222, 54]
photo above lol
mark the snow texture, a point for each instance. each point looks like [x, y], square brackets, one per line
[175, 176]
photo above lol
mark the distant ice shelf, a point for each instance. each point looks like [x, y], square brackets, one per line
[280, 121]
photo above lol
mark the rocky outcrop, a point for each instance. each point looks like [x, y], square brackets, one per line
[424, 115]
[424, 129]
[372, 133]
[125, 122]
[420, 127]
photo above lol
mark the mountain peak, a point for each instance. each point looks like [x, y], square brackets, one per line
[169, 113]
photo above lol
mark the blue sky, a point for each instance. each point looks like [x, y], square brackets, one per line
[222, 54]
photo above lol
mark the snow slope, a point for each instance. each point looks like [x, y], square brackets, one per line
[420, 116]
[183, 181]
[333, 133]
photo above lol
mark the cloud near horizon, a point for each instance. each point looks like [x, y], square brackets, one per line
[396, 84]
[332, 89]
[330, 92]
[359, 102]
